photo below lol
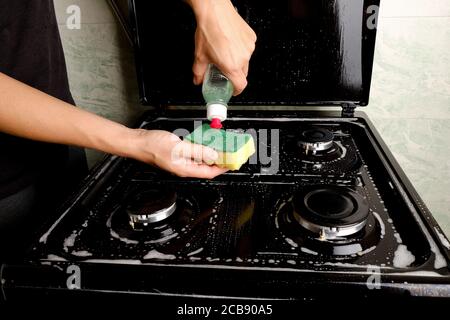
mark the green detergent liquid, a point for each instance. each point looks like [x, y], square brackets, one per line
[216, 87]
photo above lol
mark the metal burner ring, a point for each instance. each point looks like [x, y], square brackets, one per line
[151, 206]
[146, 219]
[315, 146]
[330, 232]
[316, 139]
[330, 211]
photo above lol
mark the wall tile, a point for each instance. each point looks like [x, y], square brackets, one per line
[415, 8]
[411, 70]
[101, 73]
[92, 11]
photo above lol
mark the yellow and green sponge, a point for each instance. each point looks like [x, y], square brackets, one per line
[234, 148]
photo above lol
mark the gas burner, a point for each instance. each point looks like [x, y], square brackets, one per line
[154, 215]
[150, 207]
[330, 212]
[320, 149]
[327, 220]
[316, 139]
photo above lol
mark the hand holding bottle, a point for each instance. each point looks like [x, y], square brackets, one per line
[224, 39]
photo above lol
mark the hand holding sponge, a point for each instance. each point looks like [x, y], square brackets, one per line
[234, 148]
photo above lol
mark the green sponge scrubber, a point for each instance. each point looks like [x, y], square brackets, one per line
[234, 148]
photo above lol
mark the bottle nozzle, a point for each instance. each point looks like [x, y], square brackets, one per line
[216, 123]
[216, 113]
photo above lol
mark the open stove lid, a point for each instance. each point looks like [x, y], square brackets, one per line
[309, 52]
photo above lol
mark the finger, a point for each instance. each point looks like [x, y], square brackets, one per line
[238, 79]
[245, 69]
[198, 152]
[253, 36]
[199, 70]
[201, 171]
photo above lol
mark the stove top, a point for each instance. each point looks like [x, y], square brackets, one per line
[319, 199]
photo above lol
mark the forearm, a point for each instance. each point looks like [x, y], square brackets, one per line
[29, 113]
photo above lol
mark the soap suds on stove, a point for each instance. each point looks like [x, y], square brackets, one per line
[381, 223]
[53, 257]
[195, 258]
[439, 260]
[114, 261]
[212, 259]
[125, 240]
[309, 251]
[291, 242]
[397, 237]
[193, 253]
[348, 265]
[344, 149]
[115, 235]
[83, 253]
[366, 251]
[442, 238]
[403, 257]
[164, 239]
[154, 254]
[70, 241]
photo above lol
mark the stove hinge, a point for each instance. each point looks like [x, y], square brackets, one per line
[348, 110]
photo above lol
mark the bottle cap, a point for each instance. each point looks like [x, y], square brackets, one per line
[216, 124]
[216, 111]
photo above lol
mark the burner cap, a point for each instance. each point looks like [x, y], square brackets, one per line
[316, 139]
[330, 211]
[151, 206]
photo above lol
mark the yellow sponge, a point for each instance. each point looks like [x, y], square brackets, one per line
[234, 148]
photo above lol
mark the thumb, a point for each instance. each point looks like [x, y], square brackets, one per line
[199, 70]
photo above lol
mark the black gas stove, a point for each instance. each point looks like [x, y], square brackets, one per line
[321, 211]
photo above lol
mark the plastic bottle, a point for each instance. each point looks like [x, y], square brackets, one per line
[217, 91]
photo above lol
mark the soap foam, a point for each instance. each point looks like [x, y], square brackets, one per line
[442, 238]
[83, 253]
[291, 242]
[193, 253]
[403, 257]
[309, 251]
[70, 241]
[154, 254]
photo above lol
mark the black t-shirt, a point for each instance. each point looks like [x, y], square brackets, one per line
[31, 52]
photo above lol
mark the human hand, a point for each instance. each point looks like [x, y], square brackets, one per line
[168, 152]
[224, 39]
